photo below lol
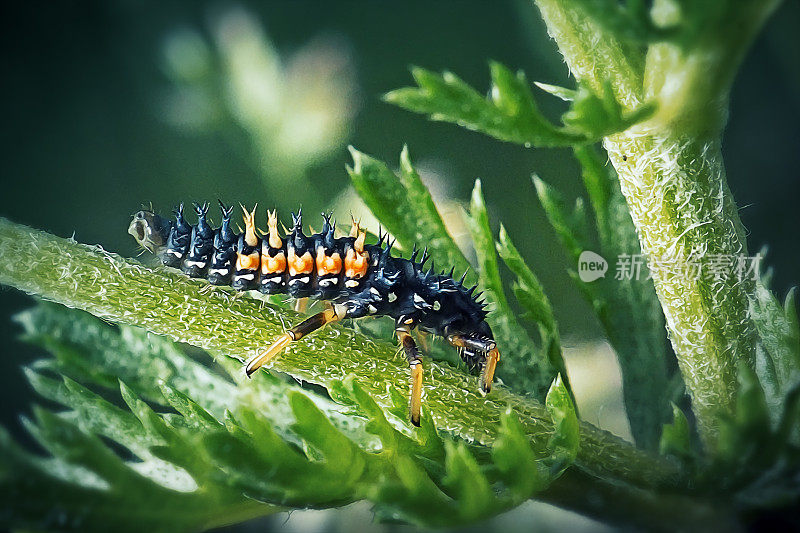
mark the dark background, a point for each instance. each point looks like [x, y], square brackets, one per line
[85, 143]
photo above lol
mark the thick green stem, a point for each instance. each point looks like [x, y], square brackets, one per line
[168, 303]
[673, 179]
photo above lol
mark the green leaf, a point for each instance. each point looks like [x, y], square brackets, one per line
[570, 226]
[525, 367]
[778, 350]
[510, 112]
[91, 413]
[527, 288]
[520, 471]
[192, 413]
[598, 115]
[530, 294]
[563, 93]
[565, 441]
[414, 498]
[469, 485]
[404, 206]
[676, 436]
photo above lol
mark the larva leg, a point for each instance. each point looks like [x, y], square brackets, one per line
[486, 347]
[414, 362]
[424, 341]
[302, 329]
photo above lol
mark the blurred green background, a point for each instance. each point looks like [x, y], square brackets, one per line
[109, 105]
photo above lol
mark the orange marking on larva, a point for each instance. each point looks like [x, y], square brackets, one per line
[247, 262]
[273, 265]
[300, 264]
[356, 265]
[327, 265]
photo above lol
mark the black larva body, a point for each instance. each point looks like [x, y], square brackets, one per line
[384, 286]
[391, 286]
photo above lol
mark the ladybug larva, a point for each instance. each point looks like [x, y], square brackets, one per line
[358, 279]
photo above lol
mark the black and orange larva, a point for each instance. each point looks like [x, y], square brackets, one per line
[358, 279]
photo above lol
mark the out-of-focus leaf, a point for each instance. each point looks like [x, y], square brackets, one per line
[510, 112]
[676, 436]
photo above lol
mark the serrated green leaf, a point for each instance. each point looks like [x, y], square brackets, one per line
[416, 498]
[191, 411]
[561, 92]
[568, 227]
[525, 367]
[464, 477]
[530, 294]
[510, 113]
[598, 115]
[565, 440]
[778, 351]
[404, 206]
[520, 471]
[341, 455]
[65, 441]
[535, 300]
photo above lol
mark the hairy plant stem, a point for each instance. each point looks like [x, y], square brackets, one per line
[167, 303]
[673, 179]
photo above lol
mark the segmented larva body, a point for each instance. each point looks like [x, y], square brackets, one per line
[358, 279]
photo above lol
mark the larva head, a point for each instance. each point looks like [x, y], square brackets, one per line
[149, 229]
